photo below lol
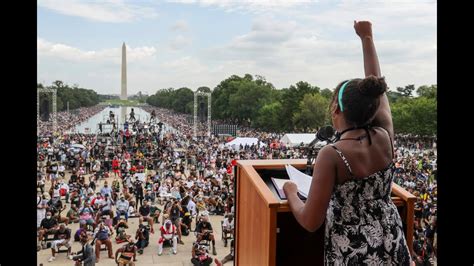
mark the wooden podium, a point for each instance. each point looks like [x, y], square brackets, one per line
[267, 232]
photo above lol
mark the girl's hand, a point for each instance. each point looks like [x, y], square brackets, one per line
[290, 188]
[363, 28]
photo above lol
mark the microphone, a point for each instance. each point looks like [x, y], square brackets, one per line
[326, 133]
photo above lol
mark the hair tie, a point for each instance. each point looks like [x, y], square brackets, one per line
[341, 91]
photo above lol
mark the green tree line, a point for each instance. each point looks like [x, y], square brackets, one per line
[414, 115]
[302, 107]
[77, 97]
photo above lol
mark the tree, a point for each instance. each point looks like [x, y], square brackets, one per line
[302, 106]
[204, 89]
[248, 99]
[290, 101]
[415, 116]
[181, 98]
[327, 93]
[407, 90]
[163, 98]
[77, 97]
[58, 84]
[394, 96]
[428, 91]
[268, 117]
[261, 81]
[239, 98]
[313, 112]
[221, 95]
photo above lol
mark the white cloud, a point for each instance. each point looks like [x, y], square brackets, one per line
[385, 15]
[252, 6]
[184, 64]
[115, 11]
[114, 55]
[179, 42]
[323, 47]
[180, 25]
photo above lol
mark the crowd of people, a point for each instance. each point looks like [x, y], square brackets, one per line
[173, 183]
[151, 168]
[67, 120]
[416, 171]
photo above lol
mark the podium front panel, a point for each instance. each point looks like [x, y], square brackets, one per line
[297, 246]
[255, 244]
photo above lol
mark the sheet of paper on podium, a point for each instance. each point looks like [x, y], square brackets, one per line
[302, 180]
[278, 184]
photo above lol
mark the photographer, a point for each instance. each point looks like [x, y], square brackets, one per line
[204, 232]
[120, 230]
[55, 206]
[102, 236]
[220, 208]
[200, 257]
[175, 212]
[142, 236]
[86, 257]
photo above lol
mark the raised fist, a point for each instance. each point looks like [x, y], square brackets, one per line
[363, 28]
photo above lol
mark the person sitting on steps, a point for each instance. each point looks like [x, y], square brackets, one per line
[168, 232]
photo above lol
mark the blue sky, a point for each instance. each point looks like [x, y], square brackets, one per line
[193, 43]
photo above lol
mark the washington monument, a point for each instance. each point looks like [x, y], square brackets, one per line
[123, 92]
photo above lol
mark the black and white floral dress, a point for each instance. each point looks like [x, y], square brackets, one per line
[363, 226]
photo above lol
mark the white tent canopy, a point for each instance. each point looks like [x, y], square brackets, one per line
[292, 140]
[235, 143]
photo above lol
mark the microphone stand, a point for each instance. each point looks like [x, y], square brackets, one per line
[312, 154]
[325, 135]
[310, 161]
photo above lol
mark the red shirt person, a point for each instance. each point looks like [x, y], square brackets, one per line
[115, 166]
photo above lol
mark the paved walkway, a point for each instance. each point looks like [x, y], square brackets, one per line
[150, 255]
